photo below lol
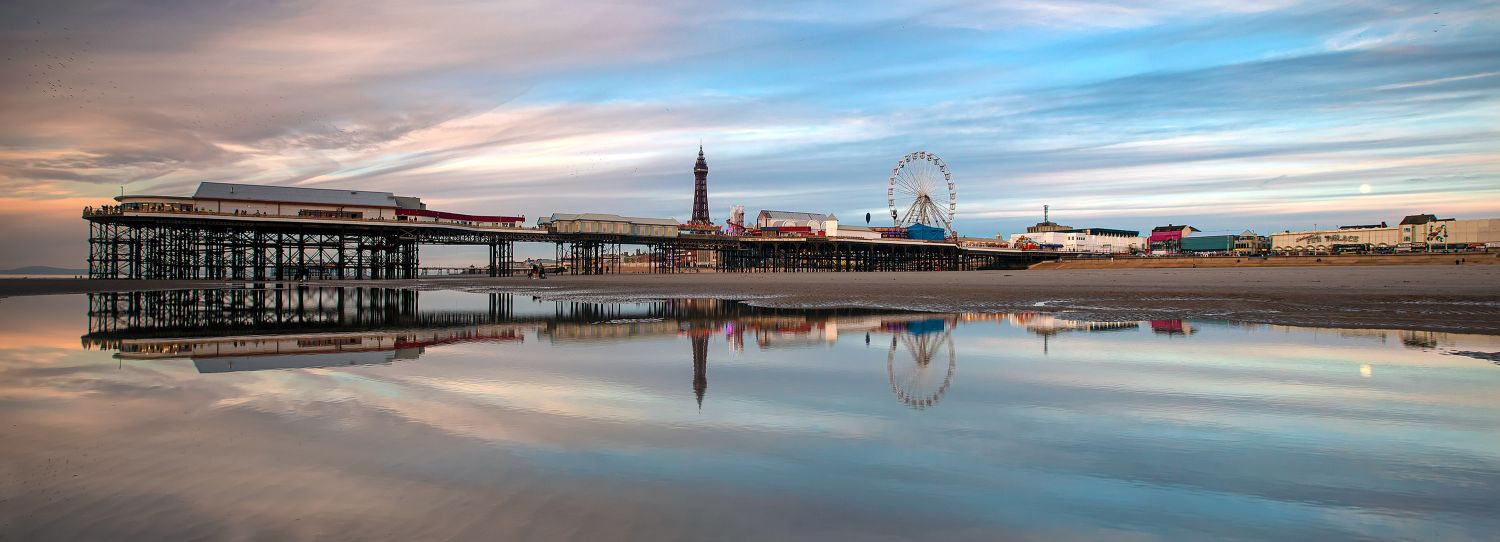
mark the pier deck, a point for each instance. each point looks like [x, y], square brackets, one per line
[209, 245]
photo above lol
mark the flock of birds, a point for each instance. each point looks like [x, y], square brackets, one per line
[66, 74]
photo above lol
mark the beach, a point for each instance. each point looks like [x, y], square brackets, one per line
[1432, 298]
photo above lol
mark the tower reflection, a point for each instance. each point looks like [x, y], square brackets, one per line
[251, 329]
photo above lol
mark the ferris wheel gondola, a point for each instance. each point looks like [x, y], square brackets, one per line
[921, 191]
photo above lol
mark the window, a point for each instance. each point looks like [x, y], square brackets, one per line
[315, 213]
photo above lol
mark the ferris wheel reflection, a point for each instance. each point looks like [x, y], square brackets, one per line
[921, 362]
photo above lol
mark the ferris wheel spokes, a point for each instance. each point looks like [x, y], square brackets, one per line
[925, 189]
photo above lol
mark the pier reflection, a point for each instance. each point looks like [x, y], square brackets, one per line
[272, 407]
[252, 329]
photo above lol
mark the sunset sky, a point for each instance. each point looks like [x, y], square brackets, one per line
[1225, 115]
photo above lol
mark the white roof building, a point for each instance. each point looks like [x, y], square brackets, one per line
[293, 194]
[814, 222]
[1110, 242]
[602, 217]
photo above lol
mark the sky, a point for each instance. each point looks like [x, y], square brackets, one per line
[1227, 116]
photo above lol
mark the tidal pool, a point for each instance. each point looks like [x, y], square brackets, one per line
[364, 413]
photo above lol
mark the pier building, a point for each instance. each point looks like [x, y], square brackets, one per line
[817, 224]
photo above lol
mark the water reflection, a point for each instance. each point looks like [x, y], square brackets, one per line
[309, 327]
[390, 414]
[920, 383]
[252, 329]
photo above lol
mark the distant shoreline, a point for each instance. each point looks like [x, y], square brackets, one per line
[1464, 298]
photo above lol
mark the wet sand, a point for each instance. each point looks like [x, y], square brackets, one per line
[1434, 298]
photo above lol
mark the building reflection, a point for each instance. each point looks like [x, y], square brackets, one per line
[250, 329]
[1046, 325]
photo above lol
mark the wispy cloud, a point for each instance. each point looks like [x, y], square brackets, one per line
[1124, 112]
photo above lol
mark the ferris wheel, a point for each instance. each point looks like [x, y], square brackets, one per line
[922, 382]
[921, 192]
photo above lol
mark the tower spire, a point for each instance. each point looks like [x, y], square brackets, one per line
[700, 190]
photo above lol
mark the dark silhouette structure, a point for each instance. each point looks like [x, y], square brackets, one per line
[700, 191]
[700, 366]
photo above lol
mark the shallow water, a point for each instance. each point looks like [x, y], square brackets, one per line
[401, 415]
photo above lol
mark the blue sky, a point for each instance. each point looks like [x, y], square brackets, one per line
[1225, 115]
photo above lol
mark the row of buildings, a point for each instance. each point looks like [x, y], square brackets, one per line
[1415, 233]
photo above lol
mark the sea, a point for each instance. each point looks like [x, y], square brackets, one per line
[346, 413]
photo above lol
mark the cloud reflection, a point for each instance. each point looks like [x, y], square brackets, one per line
[586, 418]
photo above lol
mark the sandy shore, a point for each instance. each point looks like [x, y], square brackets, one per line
[1436, 298]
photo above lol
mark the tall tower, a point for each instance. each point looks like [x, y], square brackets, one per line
[700, 190]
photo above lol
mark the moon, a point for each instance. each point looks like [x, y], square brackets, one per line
[1365, 188]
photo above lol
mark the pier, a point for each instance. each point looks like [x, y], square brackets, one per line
[190, 242]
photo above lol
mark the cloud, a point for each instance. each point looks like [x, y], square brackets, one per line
[535, 107]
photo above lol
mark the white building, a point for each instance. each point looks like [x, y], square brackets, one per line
[250, 199]
[1416, 233]
[1348, 238]
[1092, 240]
[609, 224]
[857, 232]
[1421, 232]
[296, 202]
[812, 223]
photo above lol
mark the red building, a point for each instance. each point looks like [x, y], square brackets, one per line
[1168, 239]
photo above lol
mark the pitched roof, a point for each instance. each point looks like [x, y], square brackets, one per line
[792, 215]
[1418, 219]
[602, 217]
[293, 194]
[1173, 227]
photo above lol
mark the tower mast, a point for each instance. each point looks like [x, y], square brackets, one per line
[700, 190]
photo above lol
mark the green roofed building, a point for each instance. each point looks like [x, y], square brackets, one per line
[1246, 243]
[1208, 243]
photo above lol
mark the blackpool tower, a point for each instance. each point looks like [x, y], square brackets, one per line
[700, 190]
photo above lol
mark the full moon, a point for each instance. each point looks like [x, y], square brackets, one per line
[1364, 189]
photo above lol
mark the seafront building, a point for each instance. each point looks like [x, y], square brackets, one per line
[1415, 233]
[1091, 240]
[794, 222]
[1168, 239]
[1246, 243]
